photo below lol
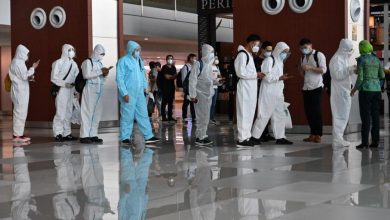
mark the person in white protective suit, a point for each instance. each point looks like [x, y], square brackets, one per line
[65, 201]
[271, 98]
[340, 98]
[201, 93]
[20, 91]
[91, 101]
[246, 90]
[22, 203]
[92, 179]
[63, 74]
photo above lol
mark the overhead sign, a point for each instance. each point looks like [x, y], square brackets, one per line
[215, 6]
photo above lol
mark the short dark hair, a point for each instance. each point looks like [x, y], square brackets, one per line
[152, 64]
[157, 64]
[304, 41]
[266, 44]
[191, 55]
[168, 56]
[253, 37]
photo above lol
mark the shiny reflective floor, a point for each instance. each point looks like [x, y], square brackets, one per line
[175, 180]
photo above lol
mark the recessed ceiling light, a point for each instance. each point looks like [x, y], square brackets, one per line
[158, 57]
[146, 38]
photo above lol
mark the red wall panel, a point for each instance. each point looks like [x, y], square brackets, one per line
[325, 24]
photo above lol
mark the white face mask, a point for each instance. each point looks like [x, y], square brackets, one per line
[255, 49]
[267, 54]
[170, 61]
[71, 54]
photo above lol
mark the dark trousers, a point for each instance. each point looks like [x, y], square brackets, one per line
[184, 108]
[369, 104]
[167, 100]
[312, 100]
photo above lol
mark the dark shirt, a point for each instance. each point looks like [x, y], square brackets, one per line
[258, 62]
[167, 86]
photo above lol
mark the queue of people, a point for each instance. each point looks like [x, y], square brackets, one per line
[258, 67]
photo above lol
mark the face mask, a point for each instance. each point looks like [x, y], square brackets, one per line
[100, 57]
[137, 54]
[306, 51]
[170, 62]
[71, 54]
[283, 56]
[211, 56]
[255, 49]
[216, 62]
[267, 54]
[155, 72]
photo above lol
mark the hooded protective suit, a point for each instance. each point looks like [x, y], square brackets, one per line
[246, 93]
[201, 87]
[64, 99]
[133, 200]
[271, 98]
[20, 89]
[131, 82]
[340, 98]
[91, 102]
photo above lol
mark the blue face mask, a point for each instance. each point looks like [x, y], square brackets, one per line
[137, 54]
[267, 54]
[283, 56]
[211, 56]
[306, 51]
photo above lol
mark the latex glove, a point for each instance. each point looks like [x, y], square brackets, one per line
[68, 85]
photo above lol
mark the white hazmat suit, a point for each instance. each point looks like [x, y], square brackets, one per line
[246, 93]
[271, 98]
[340, 98]
[20, 89]
[91, 102]
[201, 87]
[63, 74]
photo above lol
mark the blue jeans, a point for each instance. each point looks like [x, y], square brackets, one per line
[213, 104]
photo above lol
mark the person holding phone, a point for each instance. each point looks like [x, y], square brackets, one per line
[63, 74]
[271, 100]
[132, 86]
[91, 101]
[20, 91]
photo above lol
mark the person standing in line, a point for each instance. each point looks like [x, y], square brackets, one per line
[245, 97]
[91, 102]
[167, 79]
[313, 66]
[271, 103]
[63, 74]
[201, 92]
[20, 91]
[370, 74]
[185, 74]
[155, 67]
[340, 99]
[216, 76]
[265, 52]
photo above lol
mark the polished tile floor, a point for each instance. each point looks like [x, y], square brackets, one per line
[174, 180]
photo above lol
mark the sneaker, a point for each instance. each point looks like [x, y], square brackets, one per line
[309, 139]
[21, 139]
[266, 138]
[152, 140]
[283, 141]
[96, 140]
[255, 141]
[362, 146]
[246, 143]
[203, 142]
[126, 142]
[70, 138]
[374, 145]
[317, 139]
[59, 138]
[86, 140]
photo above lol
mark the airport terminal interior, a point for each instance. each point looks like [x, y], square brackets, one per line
[167, 169]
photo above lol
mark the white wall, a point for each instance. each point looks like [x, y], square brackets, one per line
[104, 31]
[5, 12]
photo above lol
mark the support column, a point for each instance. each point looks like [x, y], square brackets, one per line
[207, 33]
[386, 48]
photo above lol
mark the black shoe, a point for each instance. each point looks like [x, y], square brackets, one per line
[374, 145]
[283, 141]
[362, 146]
[266, 138]
[96, 140]
[126, 142]
[70, 138]
[246, 143]
[255, 141]
[203, 142]
[152, 140]
[86, 140]
[59, 138]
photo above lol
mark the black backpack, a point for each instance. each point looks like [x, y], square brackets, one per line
[185, 82]
[179, 82]
[232, 83]
[80, 82]
[326, 78]
[54, 88]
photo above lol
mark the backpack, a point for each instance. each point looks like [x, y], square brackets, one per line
[80, 82]
[54, 88]
[179, 82]
[185, 82]
[7, 83]
[326, 78]
[233, 81]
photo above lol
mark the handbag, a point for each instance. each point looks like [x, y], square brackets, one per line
[54, 88]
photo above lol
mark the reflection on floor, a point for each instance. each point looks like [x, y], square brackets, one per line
[175, 180]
